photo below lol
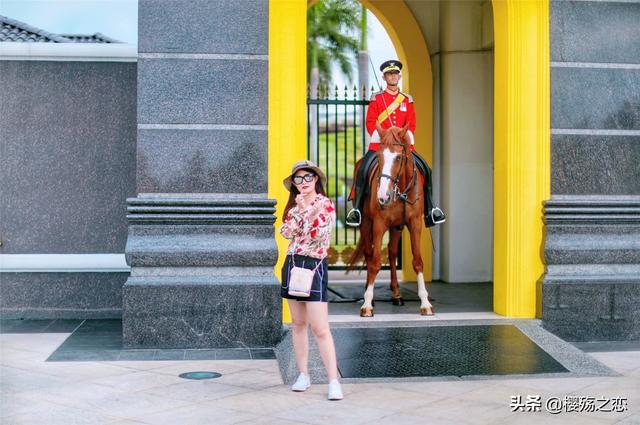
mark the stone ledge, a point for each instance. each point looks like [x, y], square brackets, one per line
[593, 311]
[200, 211]
[592, 210]
[215, 315]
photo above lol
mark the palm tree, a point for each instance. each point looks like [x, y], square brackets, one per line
[328, 24]
[363, 55]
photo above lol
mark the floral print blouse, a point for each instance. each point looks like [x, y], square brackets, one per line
[310, 230]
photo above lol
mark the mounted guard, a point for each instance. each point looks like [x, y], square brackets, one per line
[395, 202]
[390, 108]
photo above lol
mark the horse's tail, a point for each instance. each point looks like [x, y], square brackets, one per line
[358, 254]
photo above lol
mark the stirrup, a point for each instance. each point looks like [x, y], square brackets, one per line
[437, 216]
[354, 218]
[434, 217]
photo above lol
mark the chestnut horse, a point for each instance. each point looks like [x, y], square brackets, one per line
[395, 200]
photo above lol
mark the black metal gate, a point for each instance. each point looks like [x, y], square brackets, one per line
[336, 140]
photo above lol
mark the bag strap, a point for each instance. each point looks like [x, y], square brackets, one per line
[317, 265]
[295, 245]
[314, 269]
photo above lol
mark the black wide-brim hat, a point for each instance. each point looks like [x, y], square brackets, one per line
[305, 164]
[391, 65]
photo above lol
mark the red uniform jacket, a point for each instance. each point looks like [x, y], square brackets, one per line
[402, 114]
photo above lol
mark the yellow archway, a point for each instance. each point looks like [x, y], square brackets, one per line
[521, 125]
[410, 44]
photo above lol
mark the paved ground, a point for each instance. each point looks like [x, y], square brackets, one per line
[252, 391]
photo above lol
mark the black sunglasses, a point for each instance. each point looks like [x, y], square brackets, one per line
[307, 177]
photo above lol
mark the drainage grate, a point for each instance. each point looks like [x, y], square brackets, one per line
[200, 375]
[439, 351]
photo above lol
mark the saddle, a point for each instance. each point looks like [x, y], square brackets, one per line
[373, 168]
[433, 214]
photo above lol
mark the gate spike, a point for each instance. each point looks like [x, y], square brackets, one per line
[355, 92]
[346, 92]
[318, 91]
[336, 95]
[364, 91]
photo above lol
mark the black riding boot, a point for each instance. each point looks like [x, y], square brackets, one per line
[354, 217]
[432, 214]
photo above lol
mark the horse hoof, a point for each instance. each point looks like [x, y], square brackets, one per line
[365, 312]
[397, 301]
[427, 311]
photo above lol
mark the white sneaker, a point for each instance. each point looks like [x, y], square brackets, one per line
[335, 390]
[302, 383]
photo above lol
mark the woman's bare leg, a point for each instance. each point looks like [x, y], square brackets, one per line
[318, 318]
[300, 335]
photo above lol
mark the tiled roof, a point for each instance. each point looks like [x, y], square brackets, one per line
[16, 31]
[89, 38]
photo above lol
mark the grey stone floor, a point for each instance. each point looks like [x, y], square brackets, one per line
[454, 301]
[36, 391]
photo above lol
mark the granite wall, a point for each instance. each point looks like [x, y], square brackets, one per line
[201, 242]
[68, 143]
[591, 286]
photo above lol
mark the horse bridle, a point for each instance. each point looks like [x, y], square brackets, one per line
[396, 193]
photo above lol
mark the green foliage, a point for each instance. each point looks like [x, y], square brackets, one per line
[348, 151]
[328, 22]
[363, 28]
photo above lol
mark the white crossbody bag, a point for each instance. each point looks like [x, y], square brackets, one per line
[301, 279]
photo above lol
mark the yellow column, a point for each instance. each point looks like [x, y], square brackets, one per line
[287, 104]
[521, 151]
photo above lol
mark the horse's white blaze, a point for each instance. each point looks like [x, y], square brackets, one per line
[422, 292]
[368, 297]
[384, 190]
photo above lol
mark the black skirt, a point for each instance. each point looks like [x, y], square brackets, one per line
[320, 278]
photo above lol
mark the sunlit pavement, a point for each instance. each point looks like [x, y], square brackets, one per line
[36, 391]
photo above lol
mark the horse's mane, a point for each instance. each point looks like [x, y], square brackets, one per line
[394, 134]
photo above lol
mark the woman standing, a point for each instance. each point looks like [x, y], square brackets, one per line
[307, 223]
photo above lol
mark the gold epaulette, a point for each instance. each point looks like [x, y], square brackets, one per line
[408, 96]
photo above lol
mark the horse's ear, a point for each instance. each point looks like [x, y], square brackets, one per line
[404, 131]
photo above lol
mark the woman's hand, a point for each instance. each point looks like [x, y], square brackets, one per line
[301, 203]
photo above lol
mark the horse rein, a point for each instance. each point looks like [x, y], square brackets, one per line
[396, 193]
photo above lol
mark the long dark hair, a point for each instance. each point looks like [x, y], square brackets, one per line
[294, 191]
